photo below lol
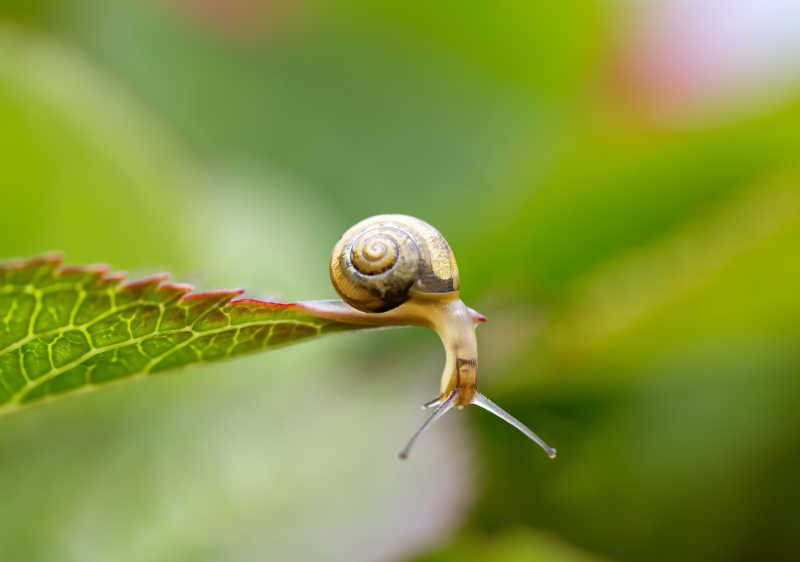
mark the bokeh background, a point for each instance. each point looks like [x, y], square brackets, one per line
[619, 180]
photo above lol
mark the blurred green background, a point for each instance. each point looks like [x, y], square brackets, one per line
[620, 183]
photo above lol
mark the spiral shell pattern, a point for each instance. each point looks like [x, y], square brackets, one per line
[376, 251]
[381, 261]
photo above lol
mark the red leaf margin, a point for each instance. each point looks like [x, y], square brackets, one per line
[103, 275]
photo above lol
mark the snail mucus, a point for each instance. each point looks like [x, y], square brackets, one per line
[397, 270]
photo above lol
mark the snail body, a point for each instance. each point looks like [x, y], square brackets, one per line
[393, 270]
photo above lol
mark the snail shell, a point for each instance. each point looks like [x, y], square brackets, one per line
[384, 260]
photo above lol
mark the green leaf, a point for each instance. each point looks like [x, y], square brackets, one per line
[68, 328]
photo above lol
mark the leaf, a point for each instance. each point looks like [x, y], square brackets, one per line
[69, 328]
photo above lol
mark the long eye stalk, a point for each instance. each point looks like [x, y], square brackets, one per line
[480, 400]
[443, 408]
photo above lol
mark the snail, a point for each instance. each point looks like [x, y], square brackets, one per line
[393, 270]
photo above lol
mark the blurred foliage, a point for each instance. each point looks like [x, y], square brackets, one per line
[57, 138]
[513, 545]
[639, 278]
[620, 186]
